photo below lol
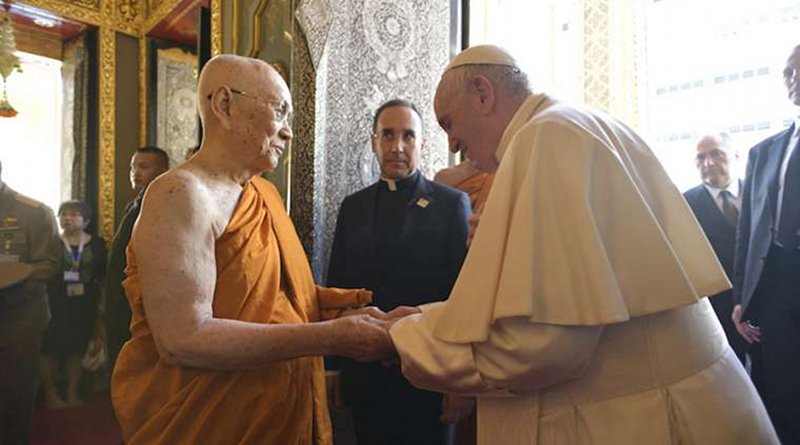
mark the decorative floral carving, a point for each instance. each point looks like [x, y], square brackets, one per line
[107, 120]
[315, 18]
[9, 62]
[391, 32]
[128, 10]
[216, 27]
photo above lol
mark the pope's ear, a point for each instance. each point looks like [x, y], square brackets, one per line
[484, 93]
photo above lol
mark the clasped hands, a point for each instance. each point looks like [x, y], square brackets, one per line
[364, 332]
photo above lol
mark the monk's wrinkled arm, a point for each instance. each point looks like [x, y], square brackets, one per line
[174, 246]
[518, 357]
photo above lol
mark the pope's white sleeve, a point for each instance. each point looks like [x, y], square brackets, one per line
[518, 357]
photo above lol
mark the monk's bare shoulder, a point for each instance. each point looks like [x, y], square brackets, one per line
[177, 186]
[177, 201]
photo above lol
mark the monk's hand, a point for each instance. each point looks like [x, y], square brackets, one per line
[402, 311]
[363, 338]
[472, 226]
[455, 408]
[748, 331]
[372, 311]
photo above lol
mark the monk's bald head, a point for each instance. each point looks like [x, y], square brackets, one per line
[237, 73]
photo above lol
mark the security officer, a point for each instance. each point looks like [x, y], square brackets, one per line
[29, 256]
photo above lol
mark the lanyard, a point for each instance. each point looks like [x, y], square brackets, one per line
[75, 256]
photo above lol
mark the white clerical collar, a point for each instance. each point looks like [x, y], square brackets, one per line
[533, 104]
[733, 188]
[399, 184]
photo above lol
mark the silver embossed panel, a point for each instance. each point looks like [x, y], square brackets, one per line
[376, 50]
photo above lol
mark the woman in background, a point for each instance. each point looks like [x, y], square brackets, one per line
[74, 298]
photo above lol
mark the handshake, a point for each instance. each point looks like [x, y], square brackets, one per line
[363, 334]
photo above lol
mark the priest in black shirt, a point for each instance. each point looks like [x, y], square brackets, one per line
[404, 238]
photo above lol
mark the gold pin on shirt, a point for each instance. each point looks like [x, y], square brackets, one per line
[422, 203]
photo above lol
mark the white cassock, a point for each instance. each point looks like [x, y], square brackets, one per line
[579, 315]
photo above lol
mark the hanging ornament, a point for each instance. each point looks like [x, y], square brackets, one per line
[9, 62]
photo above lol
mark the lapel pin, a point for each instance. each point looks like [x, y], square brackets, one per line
[422, 203]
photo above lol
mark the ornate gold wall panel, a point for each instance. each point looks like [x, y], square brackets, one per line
[120, 15]
[256, 21]
[105, 200]
[143, 71]
[156, 12]
[216, 27]
[235, 27]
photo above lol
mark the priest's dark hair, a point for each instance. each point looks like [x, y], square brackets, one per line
[396, 102]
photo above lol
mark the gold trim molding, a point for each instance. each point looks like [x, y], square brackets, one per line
[143, 84]
[96, 12]
[105, 165]
[216, 27]
[255, 28]
[235, 27]
[158, 14]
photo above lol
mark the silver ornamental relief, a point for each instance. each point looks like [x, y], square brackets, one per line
[315, 18]
[390, 32]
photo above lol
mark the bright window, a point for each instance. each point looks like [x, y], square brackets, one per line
[30, 143]
[716, 65]
[700, 65]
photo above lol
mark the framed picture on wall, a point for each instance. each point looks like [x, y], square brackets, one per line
[176, 121]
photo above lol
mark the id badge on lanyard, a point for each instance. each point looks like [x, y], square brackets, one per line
[72, 276]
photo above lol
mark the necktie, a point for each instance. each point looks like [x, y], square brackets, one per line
[729, 207]
[789, 225]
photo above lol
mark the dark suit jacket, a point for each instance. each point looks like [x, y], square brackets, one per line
[118, 311]
[722, 236]
[429, 253]
[757, 216]
[422, 268]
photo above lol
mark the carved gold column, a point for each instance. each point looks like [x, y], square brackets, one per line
[143, 91]
[105, 200]
[216, 27]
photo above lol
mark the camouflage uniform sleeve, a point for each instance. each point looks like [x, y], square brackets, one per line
[45, 245]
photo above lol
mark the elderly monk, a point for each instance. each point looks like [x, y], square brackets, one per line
[580, 314]
[228, 328]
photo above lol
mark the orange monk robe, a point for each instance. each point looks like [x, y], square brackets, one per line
[468, 179]
[262, 277]
[477, 187]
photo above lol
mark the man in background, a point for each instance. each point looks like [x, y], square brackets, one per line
[30, 255]
[404, 238]
[146, 164]
[767, 266]
[716, 204]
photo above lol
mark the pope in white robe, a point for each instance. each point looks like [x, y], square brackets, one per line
[579, 316]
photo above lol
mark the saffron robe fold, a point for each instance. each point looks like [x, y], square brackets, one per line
[466, 178]
[263, 276]
[579, 315]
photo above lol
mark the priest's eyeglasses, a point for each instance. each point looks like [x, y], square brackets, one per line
[280, 108]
